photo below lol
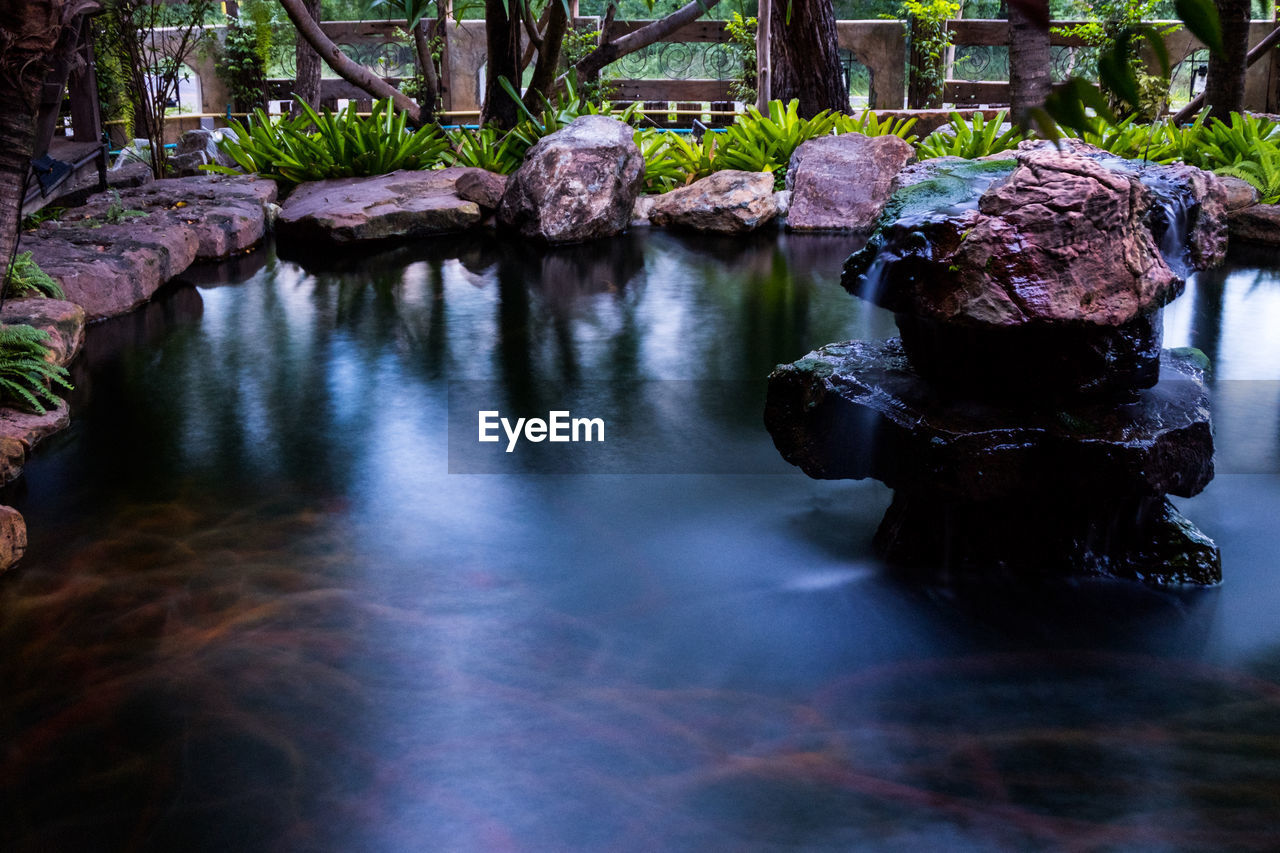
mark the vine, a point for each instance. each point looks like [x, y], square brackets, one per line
[929, 42]
[1118, 21]
[742, 42]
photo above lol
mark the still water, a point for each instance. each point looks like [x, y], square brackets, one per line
[260, 613]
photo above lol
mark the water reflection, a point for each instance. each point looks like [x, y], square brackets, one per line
[259, 614]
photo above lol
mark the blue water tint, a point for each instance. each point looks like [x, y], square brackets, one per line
[258, 613]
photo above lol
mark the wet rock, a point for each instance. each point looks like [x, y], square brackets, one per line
[579, 183]
[1146, 539]
[782, 198]
[112, 269]
[1239, 194]
[1060, 242]
[859, 409]
[64, 321]
[227, 214]
[642, 208]
[483, 187]
[725, 202]
[1258, 224]
[13, 455]
[399, 205]
[841, 183]
[13, 537]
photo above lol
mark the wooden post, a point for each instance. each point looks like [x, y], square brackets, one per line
[86, 112]
[764, 71]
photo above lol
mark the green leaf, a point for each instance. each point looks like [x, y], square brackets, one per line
[1201, 18]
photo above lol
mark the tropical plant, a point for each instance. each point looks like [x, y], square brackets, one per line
[340, 145]
[1222, 143]
[26, 277]
[742, 45]
[1262, 172]
[970, 139]
[484, 148]
[930, 39]
[673, 160]
[26, 374]
[764, 143]
[242, 59]
[869, 124]
[1114, 32]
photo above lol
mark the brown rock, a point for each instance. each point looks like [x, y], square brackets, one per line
[361, 210]
[841, 183]
[727, 202]
[1257, 224]
[576, 184]
[13, 455]
[112, 269]
[64, 321]
[29, 428]
[1239, 194]
[483, 187]
[13, 537]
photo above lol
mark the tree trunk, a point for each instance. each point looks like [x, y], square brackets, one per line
[306, 84]
[1029, 65]
[502, 38]
[1224, 87]
[29, 32]
[430, 82]
[548, 65]
[805, 57]
[346, 68]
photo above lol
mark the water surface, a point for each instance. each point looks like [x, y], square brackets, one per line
[259, 613]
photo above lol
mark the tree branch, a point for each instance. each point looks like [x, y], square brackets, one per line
[609, 51]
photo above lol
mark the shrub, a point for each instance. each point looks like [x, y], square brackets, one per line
[765, 143]
[970, 139]
[26, 375]
[313, 147]
[484, 148]
[25, 276]
[869, 124]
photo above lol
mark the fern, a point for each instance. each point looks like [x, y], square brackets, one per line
[1263, 172]
[25, 276]
[26, 374]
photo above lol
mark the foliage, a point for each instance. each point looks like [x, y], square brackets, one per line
[242, 63]
[742, 44]
[673, 159]
[26, 375]
[26, 277]
[929, 42]
[1226, 143]
[568, 105]
[113, 83]
[970, 139]
[1114, 30]
[315, 146]
[578, 42]
[1262, 171]
[44, 214]
[869, 124]
[485, 148]
[765, 143]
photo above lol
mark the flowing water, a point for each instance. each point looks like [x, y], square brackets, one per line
[259, 612]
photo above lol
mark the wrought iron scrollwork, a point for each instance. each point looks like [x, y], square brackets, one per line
[678, 61]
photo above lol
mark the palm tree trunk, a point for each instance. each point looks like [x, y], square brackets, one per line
[1029, 65]
[502, 37]
[1224, 87]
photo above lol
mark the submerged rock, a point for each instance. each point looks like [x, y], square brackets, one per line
[398, 205]
[841, 183]
[579, 183]
[726, 202]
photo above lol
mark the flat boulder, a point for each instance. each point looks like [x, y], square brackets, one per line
[726, 202]
[399, 205]
[112, 269]
[1258, 224]
[1239, 194]
[841, 183]
[576, 184]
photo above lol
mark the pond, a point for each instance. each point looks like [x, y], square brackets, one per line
[277, 599]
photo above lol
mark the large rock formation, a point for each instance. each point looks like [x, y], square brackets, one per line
[398, 205]
[726, 202]
[841, 183]
[1016, 418]
[576, 184]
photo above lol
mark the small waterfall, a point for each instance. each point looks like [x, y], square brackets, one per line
[1175, 213]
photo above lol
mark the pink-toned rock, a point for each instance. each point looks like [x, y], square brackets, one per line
[483, 187]
[579, 183]
[726, 202]
[112, 269]
[1257, 224]
[227, 213]
[841, 183]
[1239, 194]
[31, 428]
[13, 537]
[64, 321]
[399, 205]
[13, 455]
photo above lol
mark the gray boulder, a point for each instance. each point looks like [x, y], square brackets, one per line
[728, 202]
[576, 184]
[841, 183]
